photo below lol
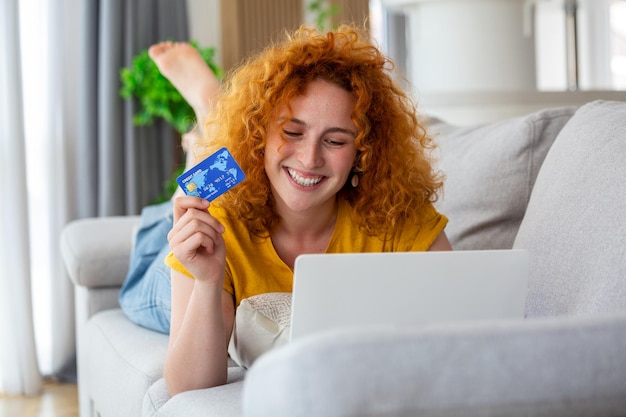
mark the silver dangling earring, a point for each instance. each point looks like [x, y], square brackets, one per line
[354, 181]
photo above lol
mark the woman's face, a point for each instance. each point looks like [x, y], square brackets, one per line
[311, 164]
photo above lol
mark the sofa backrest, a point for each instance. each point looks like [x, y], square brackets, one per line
[575, 223]
[490, 171]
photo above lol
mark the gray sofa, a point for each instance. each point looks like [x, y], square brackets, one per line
[552, 182]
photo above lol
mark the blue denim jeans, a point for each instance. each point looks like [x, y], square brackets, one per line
[145, 296]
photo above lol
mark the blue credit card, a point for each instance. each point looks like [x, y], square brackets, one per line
[212, 177]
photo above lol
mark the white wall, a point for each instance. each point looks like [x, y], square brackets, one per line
[594, 44]
[468, 45]
[550, 46]
[468, 59]
[475, 61]
[204, 24]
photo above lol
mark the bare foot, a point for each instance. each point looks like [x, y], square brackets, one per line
[183, 65]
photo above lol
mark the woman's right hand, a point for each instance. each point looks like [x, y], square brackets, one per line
[196, 239]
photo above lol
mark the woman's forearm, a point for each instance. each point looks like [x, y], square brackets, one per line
[197, 356]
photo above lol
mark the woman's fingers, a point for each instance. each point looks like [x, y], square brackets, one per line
[182, 204]
[195, 230]
[197, 245]
[197, 219]
[195, 208]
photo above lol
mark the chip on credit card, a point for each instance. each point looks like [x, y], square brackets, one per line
[212, 177]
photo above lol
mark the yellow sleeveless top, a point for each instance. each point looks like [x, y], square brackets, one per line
[253, 267]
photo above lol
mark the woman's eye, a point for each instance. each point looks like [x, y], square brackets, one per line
[334, 143]
[291, 134]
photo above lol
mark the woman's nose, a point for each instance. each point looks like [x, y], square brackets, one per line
[310, 154]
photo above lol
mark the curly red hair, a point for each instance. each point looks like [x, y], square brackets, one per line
[396, 176]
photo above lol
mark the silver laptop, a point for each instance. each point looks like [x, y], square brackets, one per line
[334, 291]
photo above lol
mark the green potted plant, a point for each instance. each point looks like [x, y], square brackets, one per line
[324, 11]
[158, 98]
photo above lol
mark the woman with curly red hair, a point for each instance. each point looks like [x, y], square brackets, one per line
[336, 160]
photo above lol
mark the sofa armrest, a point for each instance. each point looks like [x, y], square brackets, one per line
[96, 251]
[567, 366]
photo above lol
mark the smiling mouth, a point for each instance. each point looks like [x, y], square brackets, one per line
[305, 182]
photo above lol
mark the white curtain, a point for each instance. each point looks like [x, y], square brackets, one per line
[50, 59]
[19, 372]
[67, 143]
[38, 131]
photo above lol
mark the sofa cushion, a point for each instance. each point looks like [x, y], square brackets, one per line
[575, 224]
[490, 171]
[117, 363]
[555, 366]
[262, 323]
[221, 401]
[95, 250]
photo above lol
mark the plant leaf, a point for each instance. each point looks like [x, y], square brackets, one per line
[155, 94]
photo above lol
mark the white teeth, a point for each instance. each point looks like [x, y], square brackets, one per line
[306, 182]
